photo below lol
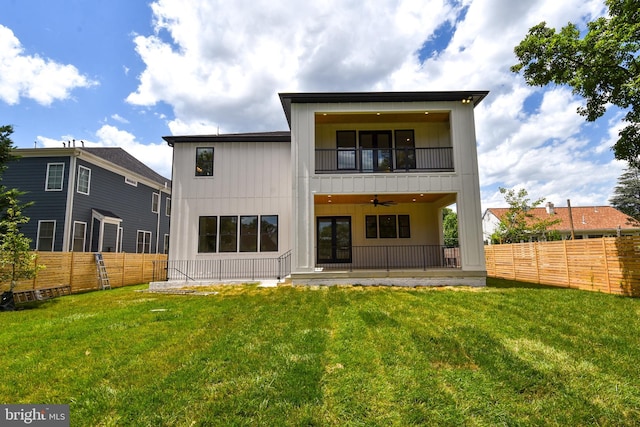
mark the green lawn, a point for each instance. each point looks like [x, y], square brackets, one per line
[508, 354]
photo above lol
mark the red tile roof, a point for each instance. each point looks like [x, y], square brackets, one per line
[584, 218]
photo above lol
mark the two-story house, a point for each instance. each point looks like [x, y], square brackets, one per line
[353, 193]
[91, 200]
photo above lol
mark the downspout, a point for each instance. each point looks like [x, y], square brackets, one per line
[158, 220]
[66, 229]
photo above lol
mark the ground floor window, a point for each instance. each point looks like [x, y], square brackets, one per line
[246, 233]
[79, 236]
[46, 235]
[387, 226]
[207, 234]
[143, 245]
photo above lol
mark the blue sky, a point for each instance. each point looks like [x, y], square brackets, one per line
[125, 73]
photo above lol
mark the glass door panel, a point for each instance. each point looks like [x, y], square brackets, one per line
[334, 239]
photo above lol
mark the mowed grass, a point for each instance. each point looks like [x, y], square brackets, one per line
[508, 354]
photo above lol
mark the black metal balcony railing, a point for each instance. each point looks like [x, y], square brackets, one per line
[223, 269]
[394, 257]
[363, 160]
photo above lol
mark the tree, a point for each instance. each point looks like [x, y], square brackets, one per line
[519, 224]
[450, 226]
[626, 196]
[601, 65]
[16, 259]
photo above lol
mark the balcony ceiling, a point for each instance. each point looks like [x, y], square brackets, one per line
[363, 199]
[382, 117]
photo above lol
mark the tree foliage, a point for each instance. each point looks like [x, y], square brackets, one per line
[519, 224]
[601, 65]
[16, 259]
[626, 196]
[450, 226]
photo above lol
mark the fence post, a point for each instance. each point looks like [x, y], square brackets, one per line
[535, 256]
[513, 262]
[606, 263]
[566, 262]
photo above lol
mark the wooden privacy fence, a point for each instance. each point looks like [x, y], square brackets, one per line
[610, 265]
[78, 269]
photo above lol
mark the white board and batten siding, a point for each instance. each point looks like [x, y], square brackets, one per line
[249, 178]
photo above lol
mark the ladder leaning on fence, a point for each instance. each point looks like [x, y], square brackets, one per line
[103, 278]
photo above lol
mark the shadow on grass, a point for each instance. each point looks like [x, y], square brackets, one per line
[493, 282]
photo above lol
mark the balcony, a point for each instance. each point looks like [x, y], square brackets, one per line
[376, 160]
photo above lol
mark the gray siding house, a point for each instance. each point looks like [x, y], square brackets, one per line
[91, 200]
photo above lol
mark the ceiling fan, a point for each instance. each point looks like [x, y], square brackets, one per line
[377, 202]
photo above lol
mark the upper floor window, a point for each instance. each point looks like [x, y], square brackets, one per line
[55, 176]
[84, 180]
[155, 202]
[204, 161]
[168, 207]
[131, 181]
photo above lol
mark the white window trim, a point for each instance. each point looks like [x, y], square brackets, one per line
[167, 209]
[144, 242]
[84, 237]
[88, 182]
[131, 181]
[155, 196]
[166, 241]
[46, 182]
[53, 238]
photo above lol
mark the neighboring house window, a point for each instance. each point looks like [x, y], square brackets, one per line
[204, 161]
[143, 242]
[55, 176]
[131, 181]
[46, 233]
[84, 180]
[166, 244]
[79, 236]
[167, 211]
[249, 233]
[228, 233]
[387, 226]
[155, 202]
[269, 233]
[207, 234]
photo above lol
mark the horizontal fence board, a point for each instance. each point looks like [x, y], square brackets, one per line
[78, 269]
[610, 265]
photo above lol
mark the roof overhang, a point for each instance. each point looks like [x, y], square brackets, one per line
[280, 136]
[287, 99]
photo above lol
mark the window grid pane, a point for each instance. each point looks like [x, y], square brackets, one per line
[55, 172]
[248, 233]
[204, 161]
[269, 233]
[228, 234]
[208, 234]
[84, 178]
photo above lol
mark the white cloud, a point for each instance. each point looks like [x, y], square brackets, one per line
[220, 66]
[118, 118]
[30, 76]
[156, 156]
